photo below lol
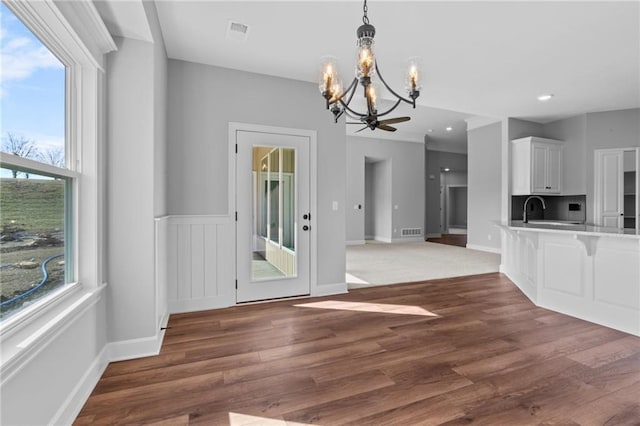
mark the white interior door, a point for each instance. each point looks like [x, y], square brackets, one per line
[273, 215]
[609, 188]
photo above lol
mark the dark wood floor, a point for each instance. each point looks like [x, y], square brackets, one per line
[481, 353]
[459, 240]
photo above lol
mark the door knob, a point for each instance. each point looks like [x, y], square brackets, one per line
[305, 228]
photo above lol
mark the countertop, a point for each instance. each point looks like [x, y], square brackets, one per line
[557, 226]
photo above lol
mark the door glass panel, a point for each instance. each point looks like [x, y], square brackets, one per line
[630, 190]
[274, 207]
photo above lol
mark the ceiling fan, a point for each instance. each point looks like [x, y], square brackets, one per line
[372, 122]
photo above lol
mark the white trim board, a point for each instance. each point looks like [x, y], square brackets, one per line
[484, 248]
[73, 404]
[330, 289]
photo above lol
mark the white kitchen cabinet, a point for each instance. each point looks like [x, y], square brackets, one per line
[536, 166]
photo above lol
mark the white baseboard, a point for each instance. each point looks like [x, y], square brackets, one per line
[194, 305]
[484, 248]
[329, 289]
[136, 348]
[383, 239]
[418, 239]
[71, 407]
[433, 235]
[457, 231]
[355, 242]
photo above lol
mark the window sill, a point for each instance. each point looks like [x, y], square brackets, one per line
[24, 335]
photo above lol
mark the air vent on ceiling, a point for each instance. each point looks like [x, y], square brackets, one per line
[237, 31]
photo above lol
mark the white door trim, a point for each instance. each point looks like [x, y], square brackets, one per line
[234, 127]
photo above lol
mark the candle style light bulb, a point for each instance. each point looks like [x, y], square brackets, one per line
[366, 62]
[412, 83]
[336, 90]
[328, 78]
[328, 75]
[372, 97]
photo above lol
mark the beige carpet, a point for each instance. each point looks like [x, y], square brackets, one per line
[381, 263]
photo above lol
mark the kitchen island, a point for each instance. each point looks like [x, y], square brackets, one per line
[585, 271]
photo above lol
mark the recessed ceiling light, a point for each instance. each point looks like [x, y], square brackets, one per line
[430, 130]
[448, 129]
[446, 169]
[544, 98]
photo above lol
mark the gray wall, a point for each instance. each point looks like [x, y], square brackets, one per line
[353, 230]
[204, 99]
[585, 133]
[406, 160]
[484, 145]
[136, 86]
[582, 135]
[572, 131]
[610, 129]
[435, 161]
[381, 182]
[457, 213]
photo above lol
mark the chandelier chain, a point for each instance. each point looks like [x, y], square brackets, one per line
[365, 19]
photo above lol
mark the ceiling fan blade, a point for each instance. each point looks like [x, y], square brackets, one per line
[395, 120]
[387, 128]
[365, 127]
[352, 122]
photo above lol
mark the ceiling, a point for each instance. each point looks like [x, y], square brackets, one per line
[488, 59]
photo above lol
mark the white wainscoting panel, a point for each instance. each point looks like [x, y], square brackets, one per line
[200, 262]
[563, 267]
[617, 276]
[594, 276]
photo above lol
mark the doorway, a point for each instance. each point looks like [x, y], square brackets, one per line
[616, 187]
[274, 218]
[377, 199]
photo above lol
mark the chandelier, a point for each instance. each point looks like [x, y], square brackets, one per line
[338, 100]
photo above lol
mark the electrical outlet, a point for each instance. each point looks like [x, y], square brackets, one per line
[489, 237]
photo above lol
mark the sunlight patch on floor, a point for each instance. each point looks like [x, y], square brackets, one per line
[237, 419]
[369, 307]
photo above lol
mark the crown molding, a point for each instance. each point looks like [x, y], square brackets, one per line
[479, 121]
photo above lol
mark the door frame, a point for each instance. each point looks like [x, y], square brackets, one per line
[597, 205]
[235, 127]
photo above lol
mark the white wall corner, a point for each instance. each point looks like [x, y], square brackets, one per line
[136, 348]
[329, 289]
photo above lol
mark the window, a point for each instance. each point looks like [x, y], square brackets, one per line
[36, 182]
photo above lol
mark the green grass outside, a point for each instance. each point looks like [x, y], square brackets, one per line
[35, 205]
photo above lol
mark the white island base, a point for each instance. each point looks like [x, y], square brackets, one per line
[586, 272]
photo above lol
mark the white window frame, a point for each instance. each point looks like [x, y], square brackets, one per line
[84, 116]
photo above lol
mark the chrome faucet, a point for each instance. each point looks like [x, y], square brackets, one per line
[524, 213]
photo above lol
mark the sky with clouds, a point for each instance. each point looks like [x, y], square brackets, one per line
[32, 86]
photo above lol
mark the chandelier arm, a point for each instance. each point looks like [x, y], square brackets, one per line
[356, 113]
[390, 109]
[351, 89]
[353, 84]
[391, 90]
[351, 116]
